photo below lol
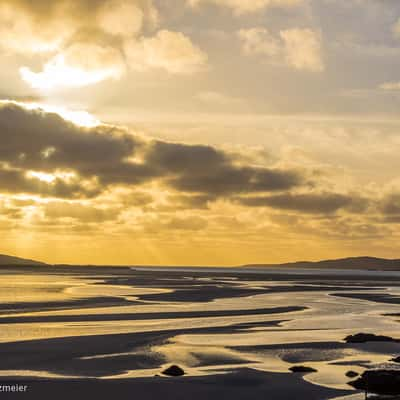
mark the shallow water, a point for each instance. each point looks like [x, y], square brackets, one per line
[37, 306]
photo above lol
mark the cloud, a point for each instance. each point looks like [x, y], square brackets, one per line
[176, 157]
[81, 212]
[80, 161]
[204, 169]
[86, 42]
[20, 181]
[110, 180]
[298, 48]
[240, 7]
[171, 51]
[98, 153]
[126, 18]
[52, 24]
[303, 49]
[136, 198]
[396, 29]
[228, 180]
[9, 210]
[24, 29]
[112, 185]
[29, 133]
[196, 201]
[390, 204]
[218, 99]
[71, 69]
[259, 41]
[187, 223]
[313, 203]
[390, 86]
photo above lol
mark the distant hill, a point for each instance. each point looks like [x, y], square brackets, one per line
[367, 263]
[10, 260]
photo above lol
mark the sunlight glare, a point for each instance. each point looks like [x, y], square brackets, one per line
[42, 176]
[78, 117]
[50, 178]
[58, 74]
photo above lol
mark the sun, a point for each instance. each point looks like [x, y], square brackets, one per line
[58, 74]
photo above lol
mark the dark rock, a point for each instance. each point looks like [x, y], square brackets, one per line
[396, 359]
[302, 368]
[351, 374]
[174, 370]
[379, 381]
[368, 337]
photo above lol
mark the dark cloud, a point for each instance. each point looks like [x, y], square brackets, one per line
[391, 204]
[230, 179]
[17, 181]
[83, 213]
[40, 141]
[34, 140]
[204, 169]
[313, 203]
[176, 157]
[389, 207]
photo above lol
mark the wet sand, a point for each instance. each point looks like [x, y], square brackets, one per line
[101, 332]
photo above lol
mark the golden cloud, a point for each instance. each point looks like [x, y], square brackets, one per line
[87, 42]
[171, 51]
[298, 48]
[240, 7]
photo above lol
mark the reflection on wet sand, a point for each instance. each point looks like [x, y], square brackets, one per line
[127, 325]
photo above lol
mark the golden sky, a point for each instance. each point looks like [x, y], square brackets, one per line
[199, 132]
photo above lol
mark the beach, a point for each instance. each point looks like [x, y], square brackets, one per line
[69, 331]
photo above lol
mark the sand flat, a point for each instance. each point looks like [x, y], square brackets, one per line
[94, 326]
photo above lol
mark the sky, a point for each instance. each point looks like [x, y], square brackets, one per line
[199, 132]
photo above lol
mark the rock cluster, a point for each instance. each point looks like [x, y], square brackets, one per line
[174, 370]
[368, 337]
